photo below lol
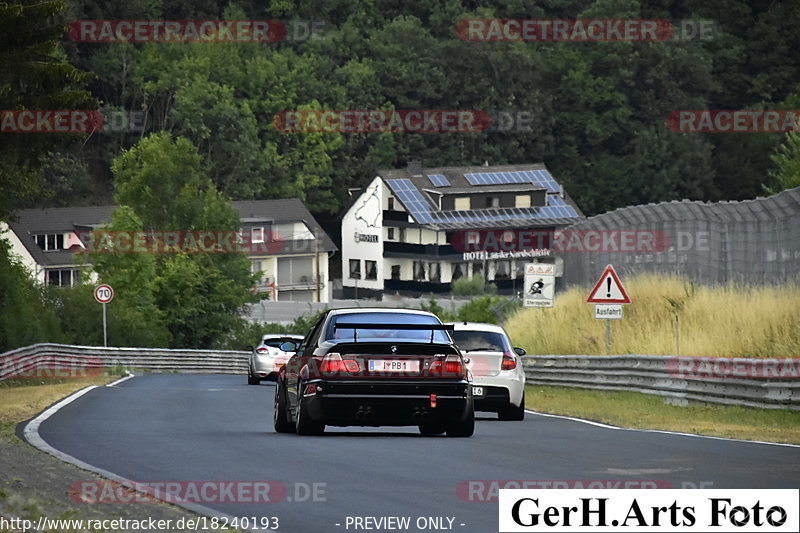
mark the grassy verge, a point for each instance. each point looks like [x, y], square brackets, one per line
[730, 321]
[22, 399]
[635, 410]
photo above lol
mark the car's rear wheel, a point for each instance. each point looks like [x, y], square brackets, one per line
[464, 426]
[306, 426]
[251, 379]
[512, 412]
[280, 419]
[430, 428]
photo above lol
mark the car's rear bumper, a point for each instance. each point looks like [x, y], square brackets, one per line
[266, 369]
[493, 399]
[499, 391]
[395, 403]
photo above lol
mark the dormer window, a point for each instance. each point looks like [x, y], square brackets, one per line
[257, 235]
[462, 203]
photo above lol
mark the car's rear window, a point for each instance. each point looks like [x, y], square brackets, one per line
[488, 341]
[275, 342]
[332, 333]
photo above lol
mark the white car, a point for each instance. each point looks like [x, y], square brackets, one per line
[498, 381]
[267, 358]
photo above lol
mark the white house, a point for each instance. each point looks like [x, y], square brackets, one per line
[417, 230]
[289, 248]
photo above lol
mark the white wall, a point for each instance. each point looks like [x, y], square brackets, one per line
[19, 251]
[365, 217]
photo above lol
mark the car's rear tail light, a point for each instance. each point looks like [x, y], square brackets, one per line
[262, 350]
[451, 366]
[333, 363]
[509, 363]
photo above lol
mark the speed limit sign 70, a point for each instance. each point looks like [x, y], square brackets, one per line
[103, 293]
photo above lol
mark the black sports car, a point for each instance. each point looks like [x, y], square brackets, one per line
[375, 367]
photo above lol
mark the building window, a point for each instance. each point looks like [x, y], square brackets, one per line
[390, 234]
[462, 203]
[502, 270]
[355, 269]
[390, 201]
[522, 200]
[458, 270]
[63, 277]
[477, 269]
[257, 235]
[255, 267]
[49, 242]
[435, 272]
[492, 201]
[401, 235]
[295, 271]
[419, 271]
[395, 271]
[519, 271]
[370, 269]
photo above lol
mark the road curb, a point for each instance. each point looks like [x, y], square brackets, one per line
[30, 434]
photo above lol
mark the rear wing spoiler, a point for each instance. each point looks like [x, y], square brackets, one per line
[355, 326]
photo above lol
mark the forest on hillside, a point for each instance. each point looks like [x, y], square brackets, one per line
[597, 112]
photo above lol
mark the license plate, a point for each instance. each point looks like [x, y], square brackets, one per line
[387, 365]
[477, 391]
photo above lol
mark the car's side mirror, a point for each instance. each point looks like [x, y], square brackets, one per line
[520, 351]
[289, 346]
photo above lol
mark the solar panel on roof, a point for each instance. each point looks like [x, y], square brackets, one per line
[541, 178]
[419, 208]
[439, 180]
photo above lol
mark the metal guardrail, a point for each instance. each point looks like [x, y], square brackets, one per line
[61, 360]
[767, 383]
[770, 383]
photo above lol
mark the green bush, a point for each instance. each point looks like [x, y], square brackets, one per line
[474, 286]
[490, 309]
[247, 334]
[26, 317]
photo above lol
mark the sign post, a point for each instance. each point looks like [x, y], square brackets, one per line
[540, 285]
[104, 294]
[608, 295]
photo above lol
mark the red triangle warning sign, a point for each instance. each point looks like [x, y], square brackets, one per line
[609, 289]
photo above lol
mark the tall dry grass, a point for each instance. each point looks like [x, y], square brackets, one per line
[731, 321]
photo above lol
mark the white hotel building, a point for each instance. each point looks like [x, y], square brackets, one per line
[409, 230]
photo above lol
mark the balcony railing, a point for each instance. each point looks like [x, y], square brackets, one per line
[428, 250]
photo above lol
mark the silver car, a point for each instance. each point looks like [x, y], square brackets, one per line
[267, 358]
[498, 381]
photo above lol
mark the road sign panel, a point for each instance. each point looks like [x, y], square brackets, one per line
[103, 293]
[608, 311]
[609, 289]
[540, 285]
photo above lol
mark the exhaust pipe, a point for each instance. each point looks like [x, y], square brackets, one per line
[425, 415]
[368, 414]
[416, 415]
[360, 414]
